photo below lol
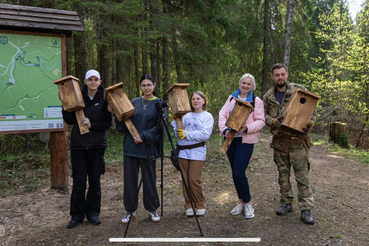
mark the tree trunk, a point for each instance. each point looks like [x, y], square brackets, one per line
[154, 65]
[177, 60]
[165, 68]
[266, 49]
[338, 134]
[80, 66]
[137, 71]
[288, 33]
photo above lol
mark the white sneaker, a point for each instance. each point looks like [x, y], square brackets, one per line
[249, 211]
[154, 217]
[125, 219]
[200, 212]
[189, 212]
[238, 209]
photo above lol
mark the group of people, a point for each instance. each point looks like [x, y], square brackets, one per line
[291, 148]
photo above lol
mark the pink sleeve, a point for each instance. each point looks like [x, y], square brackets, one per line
[223, 116]
[258, 121]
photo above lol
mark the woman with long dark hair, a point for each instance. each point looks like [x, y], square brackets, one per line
[136, 152]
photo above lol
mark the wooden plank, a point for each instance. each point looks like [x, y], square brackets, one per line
[227, 142]
[34, 33]
[36, 9]
[80, 115]
[176, 85]
[42, 15]
[39, 19]
[59, 160]
[56, 27]
[179, 122]
[131, 128]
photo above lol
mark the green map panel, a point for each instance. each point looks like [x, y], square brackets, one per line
[28, 66]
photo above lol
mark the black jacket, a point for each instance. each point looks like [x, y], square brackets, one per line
[96, 111]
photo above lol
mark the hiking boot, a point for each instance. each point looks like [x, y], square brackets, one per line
[126, 217]
[249, 211]
[94, 220]
[238, 209]
[189, 212]
[307, 218]
[200, 212]
[154, 217]
[73, 223]
[286, 207]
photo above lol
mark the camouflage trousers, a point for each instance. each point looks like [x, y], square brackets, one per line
[298, 158]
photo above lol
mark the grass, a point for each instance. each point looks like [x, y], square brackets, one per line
[358, 155]
[24, 171]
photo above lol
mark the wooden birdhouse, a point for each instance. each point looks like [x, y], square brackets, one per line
[123, 108]
[72, 100]
[299, 109]
[70, 93]
[236, 121]
[179, 102]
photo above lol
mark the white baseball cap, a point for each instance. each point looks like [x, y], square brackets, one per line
[92, 72]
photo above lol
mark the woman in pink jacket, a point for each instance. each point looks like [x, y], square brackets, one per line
[240, 151]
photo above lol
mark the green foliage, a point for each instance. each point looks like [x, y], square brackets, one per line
[27, 170]
[356, 154]
[343, 140]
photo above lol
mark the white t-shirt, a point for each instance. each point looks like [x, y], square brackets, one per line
[199, 127]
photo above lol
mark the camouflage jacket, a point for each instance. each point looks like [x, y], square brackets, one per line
[275, 110]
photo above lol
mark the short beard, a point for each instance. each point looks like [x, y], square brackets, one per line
[281, 85]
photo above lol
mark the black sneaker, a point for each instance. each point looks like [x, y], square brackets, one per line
[286, 207]
[73, 223]
[94, 220]
[307, 218]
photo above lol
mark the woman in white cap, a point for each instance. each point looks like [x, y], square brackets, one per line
[240, 151]
[87, 151]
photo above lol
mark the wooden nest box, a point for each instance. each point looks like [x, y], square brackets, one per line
[72, 100]
[70, 93]
[123, 108]
[179, 103]
[236, 120]
[300, 109]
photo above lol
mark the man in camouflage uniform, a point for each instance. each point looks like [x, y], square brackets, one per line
[291, 148]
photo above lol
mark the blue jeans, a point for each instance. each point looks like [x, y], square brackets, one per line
[239, 156]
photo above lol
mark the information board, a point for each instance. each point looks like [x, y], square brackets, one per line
[28, 98]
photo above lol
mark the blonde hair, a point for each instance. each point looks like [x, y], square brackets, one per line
[247, 75]
[201, 94]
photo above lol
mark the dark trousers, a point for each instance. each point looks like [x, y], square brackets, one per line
[148, 172]
[239, 156]
[86, 163]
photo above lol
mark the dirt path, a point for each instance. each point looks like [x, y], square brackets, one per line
[341, 188]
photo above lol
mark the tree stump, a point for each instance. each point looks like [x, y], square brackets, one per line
[338, 134]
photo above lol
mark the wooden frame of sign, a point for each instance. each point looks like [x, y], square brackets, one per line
[72, 100]
[179, 102]
[236, 121]
[299, 109]
[123, 108]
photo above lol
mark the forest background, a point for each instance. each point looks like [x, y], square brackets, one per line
[212, 43]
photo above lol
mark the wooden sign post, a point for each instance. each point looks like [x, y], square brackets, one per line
[236, 121]
[72, 100]
[179, 103]
[299, 109]
[123, 108]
